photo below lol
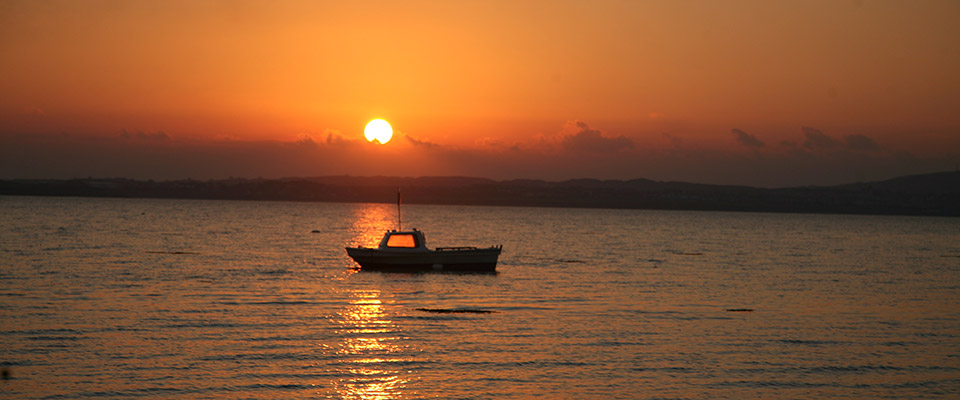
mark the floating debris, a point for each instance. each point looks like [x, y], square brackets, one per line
[740, 309]
[455, 311]
[172, 252]
[315, 231]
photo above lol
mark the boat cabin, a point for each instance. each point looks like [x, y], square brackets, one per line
[404, 240]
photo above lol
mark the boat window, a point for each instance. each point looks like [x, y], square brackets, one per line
[401, 241]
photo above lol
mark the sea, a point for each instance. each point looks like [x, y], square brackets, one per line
[202, 299]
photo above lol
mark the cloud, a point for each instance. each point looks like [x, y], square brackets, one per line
[487, 141]
[420, 143]
[817, 140]
[861, 142]
[592, 140]
[306, 141]
[159, 136]
[661, 157]
[335, 138]
[746, 139]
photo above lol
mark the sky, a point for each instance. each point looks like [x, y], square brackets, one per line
[760, 93]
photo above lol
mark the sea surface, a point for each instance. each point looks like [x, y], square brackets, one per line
[185, 299]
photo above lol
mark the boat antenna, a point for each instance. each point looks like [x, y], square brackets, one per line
[399, 220]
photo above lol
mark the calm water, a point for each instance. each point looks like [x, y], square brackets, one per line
[185, 299]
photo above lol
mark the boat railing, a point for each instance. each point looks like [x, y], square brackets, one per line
[464, 248]
[456, 248]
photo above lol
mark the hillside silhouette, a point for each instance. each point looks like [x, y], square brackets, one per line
[927, 194]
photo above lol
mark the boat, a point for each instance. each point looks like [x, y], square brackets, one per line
[407, 251]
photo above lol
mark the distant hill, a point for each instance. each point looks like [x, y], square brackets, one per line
[939, 182]
[927, 194]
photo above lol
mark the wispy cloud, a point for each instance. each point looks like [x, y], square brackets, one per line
[746, 139]
[420, 143]
[588, 140]
[306, 141]
[817, 140]
[335, 139]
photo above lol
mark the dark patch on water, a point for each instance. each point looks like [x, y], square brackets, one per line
[560, 260]
[685, 253]
[808, 342]
[898, 344]
[275, 386]
[455, 311]
[267, 303]
[126, 286]
[271, 356]
[932, 334]
[44, 332]
[775, 384]
[667, 369]
[520, 364]
[739, 310]
[656, 312]
[496, 379]
[613, 343]
[141, 392]
[517, 308]
[172, 252]
[853, 368]
[53, 338]
[278, 271]
[847, 369]
[201, 325]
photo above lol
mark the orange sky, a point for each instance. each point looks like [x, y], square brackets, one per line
[751, 92]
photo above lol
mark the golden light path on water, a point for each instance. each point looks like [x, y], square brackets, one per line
[370, 222]
[370, 347]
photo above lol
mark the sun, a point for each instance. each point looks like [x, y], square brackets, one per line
[378, 130]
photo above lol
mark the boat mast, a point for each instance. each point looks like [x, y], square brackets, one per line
[399, 220]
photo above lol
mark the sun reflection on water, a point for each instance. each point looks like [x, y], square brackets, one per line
[370, 222]
[371, 352]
